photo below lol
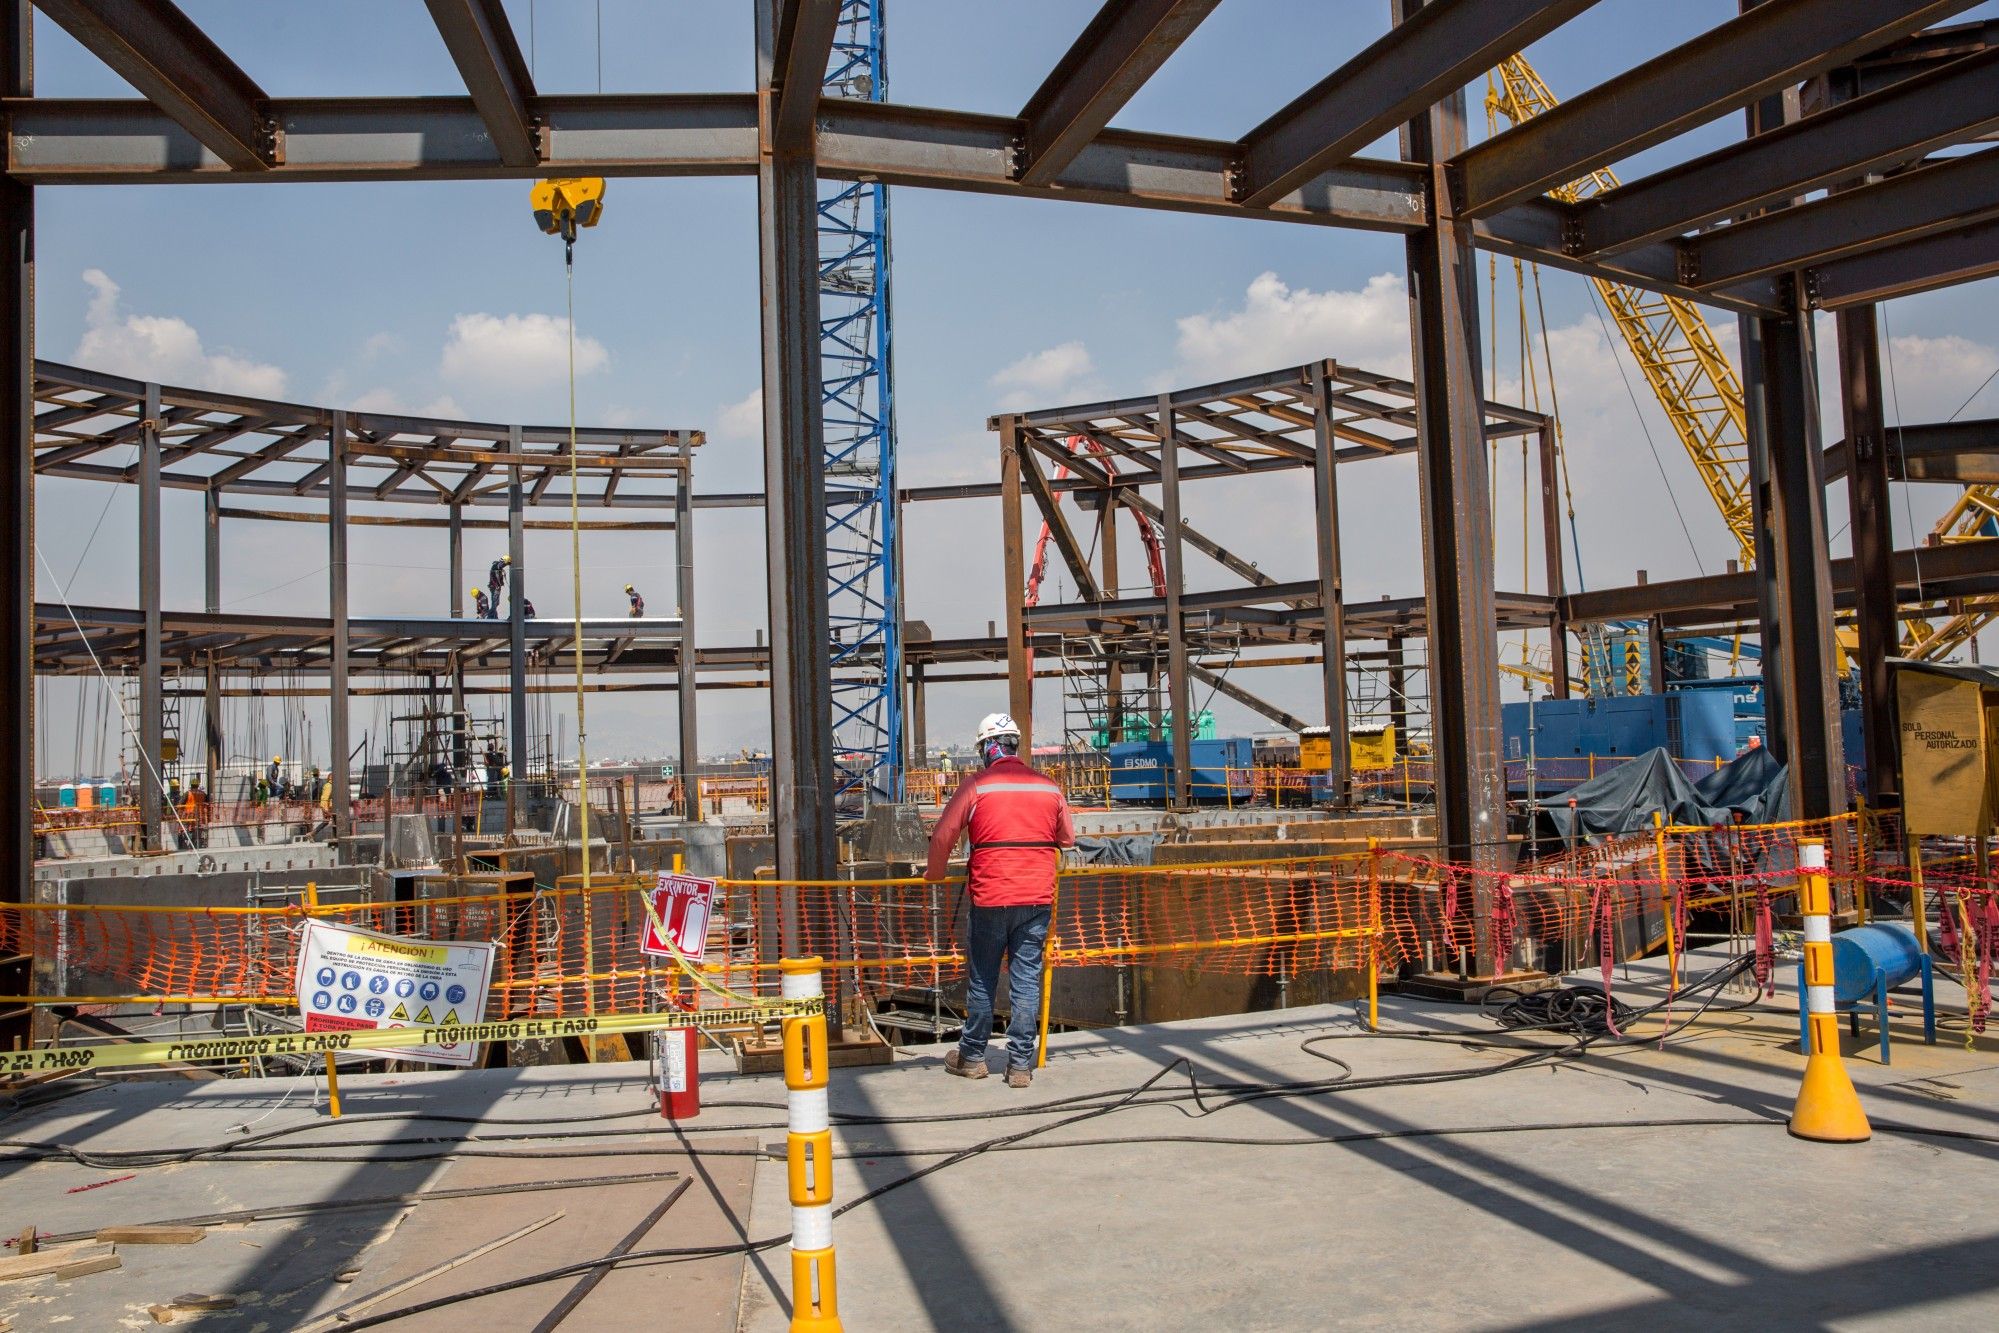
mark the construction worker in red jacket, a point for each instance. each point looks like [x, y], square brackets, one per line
[1018, 820]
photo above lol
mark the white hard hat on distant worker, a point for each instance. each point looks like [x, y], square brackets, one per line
[996, 724]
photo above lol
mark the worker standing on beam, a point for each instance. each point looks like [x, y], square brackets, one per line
[1018, 820]
[638, 603]
[482, 609]
[496, 579]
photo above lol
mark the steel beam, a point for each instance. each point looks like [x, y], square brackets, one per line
[1551, 555]
[1871, 520]
[1943, 260]
[1457, 518]
[1333, 640]
[1796, 621]
[685, 683]
[17, 546]
[1777, 43]
[517, 655]
[152, 656]
[171, 61]
[1433, 53]
[1953, 104]
[211, 581]
[1173, 538]
[1961, 453]
[1058, 528]
[95, 142]
[1950, 194]
[482, 45]
[803, 38]
[1013, 573]
[1221, 684]
[339, 713]
[1124, 45]
[802, 773]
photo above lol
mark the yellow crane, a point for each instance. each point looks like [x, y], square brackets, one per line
[1701, 394]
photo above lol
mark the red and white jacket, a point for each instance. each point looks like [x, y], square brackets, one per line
[1018, 820]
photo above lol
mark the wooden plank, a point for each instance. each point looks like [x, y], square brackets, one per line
[150, 1235]
[48, 1260]
[102, 1263]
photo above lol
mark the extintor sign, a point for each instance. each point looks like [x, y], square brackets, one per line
[682, 904]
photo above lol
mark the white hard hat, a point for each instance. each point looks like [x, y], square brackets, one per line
[996, 724]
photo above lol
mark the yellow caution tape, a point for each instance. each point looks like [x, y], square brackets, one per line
[391, 1039]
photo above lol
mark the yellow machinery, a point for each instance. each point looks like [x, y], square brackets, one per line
[565, 203]
[1367, 748]
[1702, 396]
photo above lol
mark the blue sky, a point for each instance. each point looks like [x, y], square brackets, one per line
[439, 296]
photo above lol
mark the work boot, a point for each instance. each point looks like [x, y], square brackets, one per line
[1019, 1076]
[956, 1063]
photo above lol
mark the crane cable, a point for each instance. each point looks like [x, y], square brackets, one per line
[576, 594]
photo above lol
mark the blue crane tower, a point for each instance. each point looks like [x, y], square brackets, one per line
[864, 595]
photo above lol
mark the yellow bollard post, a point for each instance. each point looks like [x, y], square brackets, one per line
[1828, 1109]
[1374, 937]
[1048, 974]
[1666, 903]
[332, 1074]
[815, 1306]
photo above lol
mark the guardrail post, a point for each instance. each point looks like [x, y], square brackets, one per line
[1666, 903]
[1374, 938]
[1828, 1109]
[809, 1155]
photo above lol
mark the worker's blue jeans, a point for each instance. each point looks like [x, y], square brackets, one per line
[1017, 932]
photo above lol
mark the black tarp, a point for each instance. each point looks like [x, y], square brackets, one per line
[1624, 799]
[1753, 783]
[1122, 849]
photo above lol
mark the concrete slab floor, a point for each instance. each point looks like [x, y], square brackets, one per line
[1634, 1219]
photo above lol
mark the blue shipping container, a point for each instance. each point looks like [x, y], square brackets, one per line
[1218, 770]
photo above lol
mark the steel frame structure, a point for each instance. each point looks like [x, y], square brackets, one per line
[199, 118]
[1315, 418]
[96, 427]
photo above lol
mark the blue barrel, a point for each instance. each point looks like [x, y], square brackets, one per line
[107, 794]
[1859, 952]
[66, 796]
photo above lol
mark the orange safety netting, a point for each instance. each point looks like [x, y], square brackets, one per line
[562, 952]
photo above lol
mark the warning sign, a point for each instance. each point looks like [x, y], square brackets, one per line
[338, 965]
[682, 904]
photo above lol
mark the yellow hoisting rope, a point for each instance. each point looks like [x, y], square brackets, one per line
[561, 207]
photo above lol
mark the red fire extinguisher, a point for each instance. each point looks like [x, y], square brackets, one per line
[676, 1056]
[676, 1059]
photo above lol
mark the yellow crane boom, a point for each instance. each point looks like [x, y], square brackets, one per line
[1702, 396]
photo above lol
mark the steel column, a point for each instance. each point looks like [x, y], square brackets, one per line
[460, 720]
[1181, 702]
[683, 558]
[152, 657]
[337, 695]
[1113, 667]
[1013, 572]
[17, 502]
[1398, 693]
[919, 717]
[1457, 518]
[211, 697]
[1551, 554]
[1332, 594]
[517, 646]
[1797, 615]
[1872, 524]
[802, 773]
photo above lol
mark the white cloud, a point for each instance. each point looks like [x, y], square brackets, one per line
[1048, 369]
[1279, 325]
[164, 348]
[742, 419]
[514, 352]
[390, 402]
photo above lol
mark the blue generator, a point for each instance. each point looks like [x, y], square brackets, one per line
[1218, 770]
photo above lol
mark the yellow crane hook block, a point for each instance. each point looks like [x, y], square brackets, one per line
[565, 203]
